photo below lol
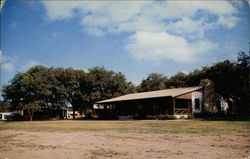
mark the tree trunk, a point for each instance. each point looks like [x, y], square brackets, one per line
[30, 115]
[218, 105]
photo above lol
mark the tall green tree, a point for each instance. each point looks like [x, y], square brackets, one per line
[4, 106]
[178, 80]
[100, 84]
[32, 107]
[154, 81]
[70, 81]
[24, 92]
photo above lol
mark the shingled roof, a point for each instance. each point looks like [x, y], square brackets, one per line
[152, 94]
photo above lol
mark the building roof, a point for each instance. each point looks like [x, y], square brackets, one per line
[152, 94]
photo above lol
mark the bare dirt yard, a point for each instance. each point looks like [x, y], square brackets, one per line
[184, 139]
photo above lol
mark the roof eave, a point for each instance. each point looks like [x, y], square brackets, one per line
[188, 92]
[106, 102]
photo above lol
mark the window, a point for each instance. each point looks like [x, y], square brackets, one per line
[197, 103]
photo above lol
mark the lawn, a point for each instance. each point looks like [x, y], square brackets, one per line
[125, 139]
[141, 126]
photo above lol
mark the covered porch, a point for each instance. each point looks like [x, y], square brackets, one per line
[144, 107]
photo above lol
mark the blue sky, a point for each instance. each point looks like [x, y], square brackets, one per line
[135, 38]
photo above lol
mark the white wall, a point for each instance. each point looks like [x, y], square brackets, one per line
[3, 115]
[224, 105]
[195, 95]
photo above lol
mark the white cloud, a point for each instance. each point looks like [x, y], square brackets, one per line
[59, 10]
[30, 63]
[228, 21]
[12, 63]
[189, 28]
[8, 67]
[173, 22]
[152, 46]
[125, 16]
[8, 63]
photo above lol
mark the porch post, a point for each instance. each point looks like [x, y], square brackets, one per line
[63, 113]
[190, 106]
[67, 113]
[173, 105]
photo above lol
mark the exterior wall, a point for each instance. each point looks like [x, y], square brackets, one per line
[70, 114]
[195, 95]
[224, 105]
[3, 115]
[185, 96]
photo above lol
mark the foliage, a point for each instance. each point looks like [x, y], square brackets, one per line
[190, 116]
[164, 117]
[154, 81]
[178, 80]
[100, 84]
[56, 87]
[155, 117]
[4, 106]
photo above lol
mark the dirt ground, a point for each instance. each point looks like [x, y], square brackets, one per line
[22, 144]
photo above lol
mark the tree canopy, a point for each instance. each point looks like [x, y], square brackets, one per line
[55, 87]
[154, 81]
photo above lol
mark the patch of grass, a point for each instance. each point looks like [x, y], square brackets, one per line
[105, 153]
[231, 146]
[34, 146]
[136, 126]
[179, 153]
[8, 137]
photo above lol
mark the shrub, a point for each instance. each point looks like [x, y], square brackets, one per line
[190, 116]
[169, 117]
[155, 117]
[164, 117]
[139, 117]
[182, 117]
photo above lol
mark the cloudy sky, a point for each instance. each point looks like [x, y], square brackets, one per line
[132, 37]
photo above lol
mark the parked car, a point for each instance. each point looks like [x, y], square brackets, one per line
[14, 117]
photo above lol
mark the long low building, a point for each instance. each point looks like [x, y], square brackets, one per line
[176, 101]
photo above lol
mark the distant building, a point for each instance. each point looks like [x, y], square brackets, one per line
[3, 115]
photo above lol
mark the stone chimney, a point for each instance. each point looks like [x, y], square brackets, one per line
[209, 97]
